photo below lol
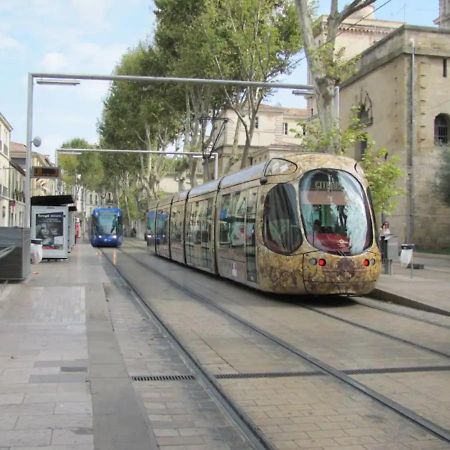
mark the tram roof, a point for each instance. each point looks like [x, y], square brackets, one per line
[248, 174]
[205, 188]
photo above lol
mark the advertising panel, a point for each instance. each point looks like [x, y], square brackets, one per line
[49, 223]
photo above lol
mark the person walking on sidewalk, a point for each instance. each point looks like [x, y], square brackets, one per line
[384, 232]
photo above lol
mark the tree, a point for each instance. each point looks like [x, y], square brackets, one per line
[325, 65]
[251, 40]
[81, 170]
[138, 116]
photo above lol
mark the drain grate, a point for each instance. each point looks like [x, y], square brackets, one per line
[237, 376]
[163, 378]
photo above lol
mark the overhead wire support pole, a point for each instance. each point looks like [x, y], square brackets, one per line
[74, 78]
[264, 84]
[29, 150]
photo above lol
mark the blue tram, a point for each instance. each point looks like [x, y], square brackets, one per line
[106, 227]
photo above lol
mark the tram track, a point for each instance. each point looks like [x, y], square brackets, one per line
[323, 367]
[251, 432]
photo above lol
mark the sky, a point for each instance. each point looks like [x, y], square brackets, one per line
[89, 37]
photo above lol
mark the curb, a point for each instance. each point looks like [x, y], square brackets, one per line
[389, 297]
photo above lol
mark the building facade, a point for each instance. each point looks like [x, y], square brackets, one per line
[5, 139]
[402, 85]
[276, 134]
[39, 186]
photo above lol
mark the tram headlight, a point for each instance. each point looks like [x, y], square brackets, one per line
[114, 236]
[313, 261]
[372, 261]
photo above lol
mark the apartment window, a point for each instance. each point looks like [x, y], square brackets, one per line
[444, 67]
[441, 125]
[285, 128]
[256, 122]
[90, 199]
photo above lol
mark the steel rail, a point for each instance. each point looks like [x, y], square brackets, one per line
[240, 418]
[374, 331]
[418, 420]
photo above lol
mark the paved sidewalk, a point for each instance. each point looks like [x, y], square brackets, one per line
[63, 381]
[427, 289]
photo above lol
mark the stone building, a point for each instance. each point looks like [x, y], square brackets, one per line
[402, 86]
[274, 135]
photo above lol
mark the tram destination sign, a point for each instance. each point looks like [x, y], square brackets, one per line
[45, 172]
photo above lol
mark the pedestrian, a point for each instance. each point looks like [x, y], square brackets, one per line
[384, 233]
[384, 230]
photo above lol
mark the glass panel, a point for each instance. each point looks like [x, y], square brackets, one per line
[335, 212]
[250, 241]
[108, 223]
[224, 221]
[278, 166]
[162, 222]
[281, 223]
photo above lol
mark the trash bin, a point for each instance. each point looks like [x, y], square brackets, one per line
[406, 254]
[36, 251]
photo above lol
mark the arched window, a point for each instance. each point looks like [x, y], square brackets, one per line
[441, 125]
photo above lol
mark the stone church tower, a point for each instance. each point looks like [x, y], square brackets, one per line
[443, 21]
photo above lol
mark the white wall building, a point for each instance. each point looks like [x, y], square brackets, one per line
[5, 139]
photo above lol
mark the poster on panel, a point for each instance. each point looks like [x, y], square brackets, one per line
[50, 224]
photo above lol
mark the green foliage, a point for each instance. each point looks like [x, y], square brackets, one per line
[81, 170]
[382, 173]
[442, 184]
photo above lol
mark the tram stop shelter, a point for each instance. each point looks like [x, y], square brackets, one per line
[51, 216]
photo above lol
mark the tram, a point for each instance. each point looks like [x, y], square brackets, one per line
[302, 225]
[106, 228]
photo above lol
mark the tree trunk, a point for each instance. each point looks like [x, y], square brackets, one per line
[232, 158]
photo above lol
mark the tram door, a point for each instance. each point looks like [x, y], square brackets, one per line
[250, 236]
[237, 250]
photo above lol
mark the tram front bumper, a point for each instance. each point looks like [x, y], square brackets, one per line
[325, 274]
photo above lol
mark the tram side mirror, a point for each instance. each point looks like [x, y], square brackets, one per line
[263, 180]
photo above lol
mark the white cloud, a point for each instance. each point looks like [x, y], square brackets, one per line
[54, 62]
[8, 43]
[84, 57]
[92, 13]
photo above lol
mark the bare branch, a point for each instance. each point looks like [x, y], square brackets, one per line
[352, 7]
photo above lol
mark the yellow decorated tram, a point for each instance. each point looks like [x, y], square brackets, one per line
[302, 225]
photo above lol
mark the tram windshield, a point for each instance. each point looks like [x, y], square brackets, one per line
[335, 212]
[107, 222]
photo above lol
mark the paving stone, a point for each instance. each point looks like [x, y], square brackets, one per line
[25, 437]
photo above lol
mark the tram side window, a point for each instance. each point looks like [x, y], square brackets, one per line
[224, 220]
[176, 224]
[237, 219]
[161, 227]
[281, 222]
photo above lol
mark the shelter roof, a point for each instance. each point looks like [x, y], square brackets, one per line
[52, 200]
